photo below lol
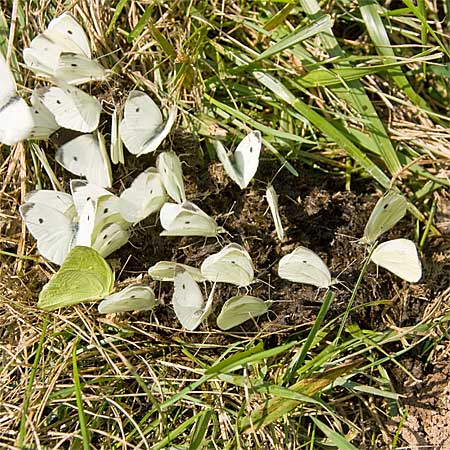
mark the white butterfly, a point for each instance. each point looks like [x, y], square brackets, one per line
[104, 210]
[169, 167]
[272, 200]
[145, 196]
[53, 230]
[44, 121]
[60, 201]
[100, 226]
[232, 265]
[304, 266]
[241, 165]
[116, 151]
[188, 303]
[51, 218]
[400, 257]
[83, 191]
[387, 212]
[187, 219]
[135, 297]
[86, 156]
[71, 107]
[142, 129]
[165, 271]
[63, 52]
[239, 309]
[110, 238]
[16, 119]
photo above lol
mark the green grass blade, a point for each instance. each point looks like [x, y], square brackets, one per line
[377, 32]
[200, 429]
[79, 399]
[162, 41]
[279, 17]
[354, 292]
[297, 36]
[300, 357]
[116, 15]
[174, 433]
[321, 77]
[251, 356]
[334, 437]
[139, 28]
[356, 96]
[276, 408]
[324, 125]
[29, 391]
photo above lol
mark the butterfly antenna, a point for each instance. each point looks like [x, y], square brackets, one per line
[399, 173]
[344, 270]
[280, 169]
[228, 214]
[266, 270]
[351, 238]
[123, 268]
[263, 282]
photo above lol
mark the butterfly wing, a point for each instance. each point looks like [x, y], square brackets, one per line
[83, 191]
[272, 200]
[63, 52]
[43, 54]
[7, 83]
[145, 196]
[77, 69]
[239, 309]
[72, 108]
[68, 26]
[94, 216]
[53, 230]
[187, 300]
[84, 276]
[42, 57]
[246, 157]
[110, 238]
[135, 297]
[142, 120]
[400, 257]
[165, 271]
[116, 150]
[84, 235]
[16, 121]
[387, 212]
[169, 167]
[155, 141]
[60, 201]
[186, 219]
[44, 121]
[86, 156]
[225, 158]
[243, 164]
[305, 266]
[231, 265]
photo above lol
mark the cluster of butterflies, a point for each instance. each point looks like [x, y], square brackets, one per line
[90, 277]
[86, 276]
[399, 256]
[78, 231]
